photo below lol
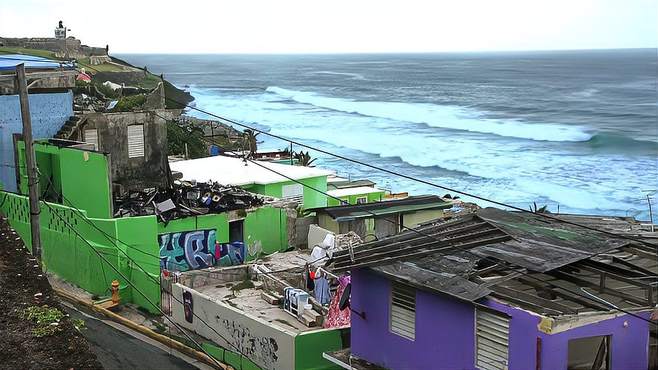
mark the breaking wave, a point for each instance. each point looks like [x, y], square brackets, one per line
[448, 117]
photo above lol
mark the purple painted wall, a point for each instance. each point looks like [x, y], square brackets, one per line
[444, 329]
[445, 333]
[630, 344]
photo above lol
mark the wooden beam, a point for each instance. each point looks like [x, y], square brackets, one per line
[525, 304]
[633, 266]
[434, 244]
[577, 298]
[390, 246]
[585, 283]
[541, 302]
[423, 252]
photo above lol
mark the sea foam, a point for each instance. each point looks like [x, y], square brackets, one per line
[448, 117]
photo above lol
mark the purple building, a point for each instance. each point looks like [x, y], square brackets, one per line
[502, 290]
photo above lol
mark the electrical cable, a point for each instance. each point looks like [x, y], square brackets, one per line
[445, 248]
[128, 281]
[416, 180]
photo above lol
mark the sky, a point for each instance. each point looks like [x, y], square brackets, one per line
[338, 26]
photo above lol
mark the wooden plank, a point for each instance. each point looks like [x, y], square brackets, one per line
[338, 256]
[585, 283]
[533, 299]
[577, 298]
[425, 252]
[434, 244]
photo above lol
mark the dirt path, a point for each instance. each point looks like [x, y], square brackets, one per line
[22, 285]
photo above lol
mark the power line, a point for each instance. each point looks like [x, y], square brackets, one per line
[421, 181]
[445, 248]
[425, 182]
[128, 281]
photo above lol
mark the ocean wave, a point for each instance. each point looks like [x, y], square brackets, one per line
[621, 142]
[352, 76]
[448, 117]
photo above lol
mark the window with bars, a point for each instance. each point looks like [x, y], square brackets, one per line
[135, 141]
[91, 137]
[492, 340]
[403, 311]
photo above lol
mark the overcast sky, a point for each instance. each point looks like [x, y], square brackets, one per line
[321, 26]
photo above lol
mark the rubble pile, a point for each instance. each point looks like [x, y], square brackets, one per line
[343, 241]
[185, 199]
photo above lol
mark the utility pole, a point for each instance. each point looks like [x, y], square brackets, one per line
[21, 83]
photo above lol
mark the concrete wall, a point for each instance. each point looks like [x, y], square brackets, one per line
[629, 344]
[413, 219]
[445, 333]
[141, 172]
[49, 112]
[266, 346]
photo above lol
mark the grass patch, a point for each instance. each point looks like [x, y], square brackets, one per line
[24, 51]
[129, 103]
[46, 319]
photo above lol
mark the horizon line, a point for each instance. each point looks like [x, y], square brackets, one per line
[386, 52]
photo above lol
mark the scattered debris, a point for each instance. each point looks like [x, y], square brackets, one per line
[186, 199]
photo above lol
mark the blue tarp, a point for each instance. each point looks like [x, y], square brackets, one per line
[8, 62]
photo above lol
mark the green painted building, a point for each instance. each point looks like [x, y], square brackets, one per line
[77, 226]
[261, 178]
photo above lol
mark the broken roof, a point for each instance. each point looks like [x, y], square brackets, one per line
[8, 62]
[535, 262]
[409, 204]
[235, 171]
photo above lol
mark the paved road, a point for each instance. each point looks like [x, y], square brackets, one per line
[118, 347]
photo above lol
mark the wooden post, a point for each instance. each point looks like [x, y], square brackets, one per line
[30, 161]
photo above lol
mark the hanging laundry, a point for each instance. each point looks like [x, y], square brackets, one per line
[321, 291]
[337, 317]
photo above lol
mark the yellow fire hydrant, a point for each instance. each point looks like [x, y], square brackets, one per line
[115, 292]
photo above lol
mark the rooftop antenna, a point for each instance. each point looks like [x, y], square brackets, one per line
[649, 194]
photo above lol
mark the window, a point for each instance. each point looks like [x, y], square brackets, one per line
[91, 137]
[294, 192]
[361, 200]
[591, 353]
[135, 141]
[403, 311]
[492, 340]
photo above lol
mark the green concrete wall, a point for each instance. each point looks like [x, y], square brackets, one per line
[71, 172]
[71, 257]
[310, 345]
[265, 232]
[233, 359]
[312, 198]
[351, 199]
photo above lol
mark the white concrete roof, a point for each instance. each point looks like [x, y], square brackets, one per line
[353, 191]
[234, 171]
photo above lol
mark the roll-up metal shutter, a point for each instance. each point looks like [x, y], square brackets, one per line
[403, 311]
[91, 137]
[492, 333]
[135, 141]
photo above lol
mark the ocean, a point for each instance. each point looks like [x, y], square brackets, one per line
[574, 130]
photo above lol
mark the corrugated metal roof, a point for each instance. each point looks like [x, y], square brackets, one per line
[413, 203]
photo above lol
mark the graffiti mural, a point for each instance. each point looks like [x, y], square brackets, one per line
[231, 254]
[191, 250]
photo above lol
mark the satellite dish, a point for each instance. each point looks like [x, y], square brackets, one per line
[345, 298]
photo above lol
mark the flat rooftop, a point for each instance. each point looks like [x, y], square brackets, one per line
[235, 171]
[344, 192]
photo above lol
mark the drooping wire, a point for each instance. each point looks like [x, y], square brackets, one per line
[465, 250]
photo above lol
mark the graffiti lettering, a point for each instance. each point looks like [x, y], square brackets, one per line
[193, 253]
[191, 250]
